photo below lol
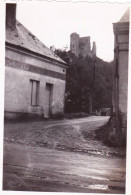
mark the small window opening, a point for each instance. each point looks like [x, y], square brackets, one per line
[34, 92]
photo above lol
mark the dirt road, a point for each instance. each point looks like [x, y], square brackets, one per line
[54, 156]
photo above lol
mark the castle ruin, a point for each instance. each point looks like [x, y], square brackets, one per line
[80, 46]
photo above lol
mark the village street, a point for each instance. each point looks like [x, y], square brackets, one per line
[55, 155]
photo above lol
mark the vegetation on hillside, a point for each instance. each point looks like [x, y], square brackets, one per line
[87, 78]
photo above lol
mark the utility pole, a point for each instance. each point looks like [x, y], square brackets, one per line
[93, 82]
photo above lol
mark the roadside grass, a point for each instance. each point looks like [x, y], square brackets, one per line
[76, 115]
[57, 116]
[105, 135]
[65, 137]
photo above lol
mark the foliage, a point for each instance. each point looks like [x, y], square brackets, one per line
[58, 116]
[76, 115]
[87, 77]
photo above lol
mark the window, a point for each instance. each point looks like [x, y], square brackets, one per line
[48, 86]
[34, 92]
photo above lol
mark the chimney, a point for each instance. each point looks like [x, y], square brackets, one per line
[11, 15]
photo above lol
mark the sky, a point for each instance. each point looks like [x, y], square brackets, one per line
[53, 22]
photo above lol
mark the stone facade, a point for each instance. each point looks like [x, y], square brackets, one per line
[34, 82]
[80, 46]
[120, 87]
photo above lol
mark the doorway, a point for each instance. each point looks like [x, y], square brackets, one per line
[48, 100]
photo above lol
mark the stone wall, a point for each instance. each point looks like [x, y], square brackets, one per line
[120, 88]
[84, 46]
[123, 41]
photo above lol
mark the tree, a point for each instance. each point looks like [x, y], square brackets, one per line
[80, 83]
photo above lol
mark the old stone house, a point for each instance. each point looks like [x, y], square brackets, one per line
[120, 87]
[34, 76]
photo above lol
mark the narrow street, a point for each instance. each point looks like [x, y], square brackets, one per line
[54, 156]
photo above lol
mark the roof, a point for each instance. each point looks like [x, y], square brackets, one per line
[125, 17]
[20, 36]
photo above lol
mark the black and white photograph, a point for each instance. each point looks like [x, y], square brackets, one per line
[66, 72]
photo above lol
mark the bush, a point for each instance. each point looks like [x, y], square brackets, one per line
[76, 115]
[106, 135]
[58, 115]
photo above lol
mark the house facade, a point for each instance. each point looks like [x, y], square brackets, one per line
[35, 77]
[120, 87]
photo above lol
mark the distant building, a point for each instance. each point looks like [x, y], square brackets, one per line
[80, 46]
[105, 111]
[120, 87]
[34, 76]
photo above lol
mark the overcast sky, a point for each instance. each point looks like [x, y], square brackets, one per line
[53, 22]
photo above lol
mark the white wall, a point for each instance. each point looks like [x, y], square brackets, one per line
[18, 88]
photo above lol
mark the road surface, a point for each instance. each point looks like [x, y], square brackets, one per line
[66, 163]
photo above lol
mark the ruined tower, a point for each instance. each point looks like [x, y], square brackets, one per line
[84, 46]
[94, 49]
[80, 46]
[74, 44]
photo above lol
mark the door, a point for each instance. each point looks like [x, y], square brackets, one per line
[48, 98]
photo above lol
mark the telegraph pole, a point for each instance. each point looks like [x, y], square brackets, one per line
[93, 82]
